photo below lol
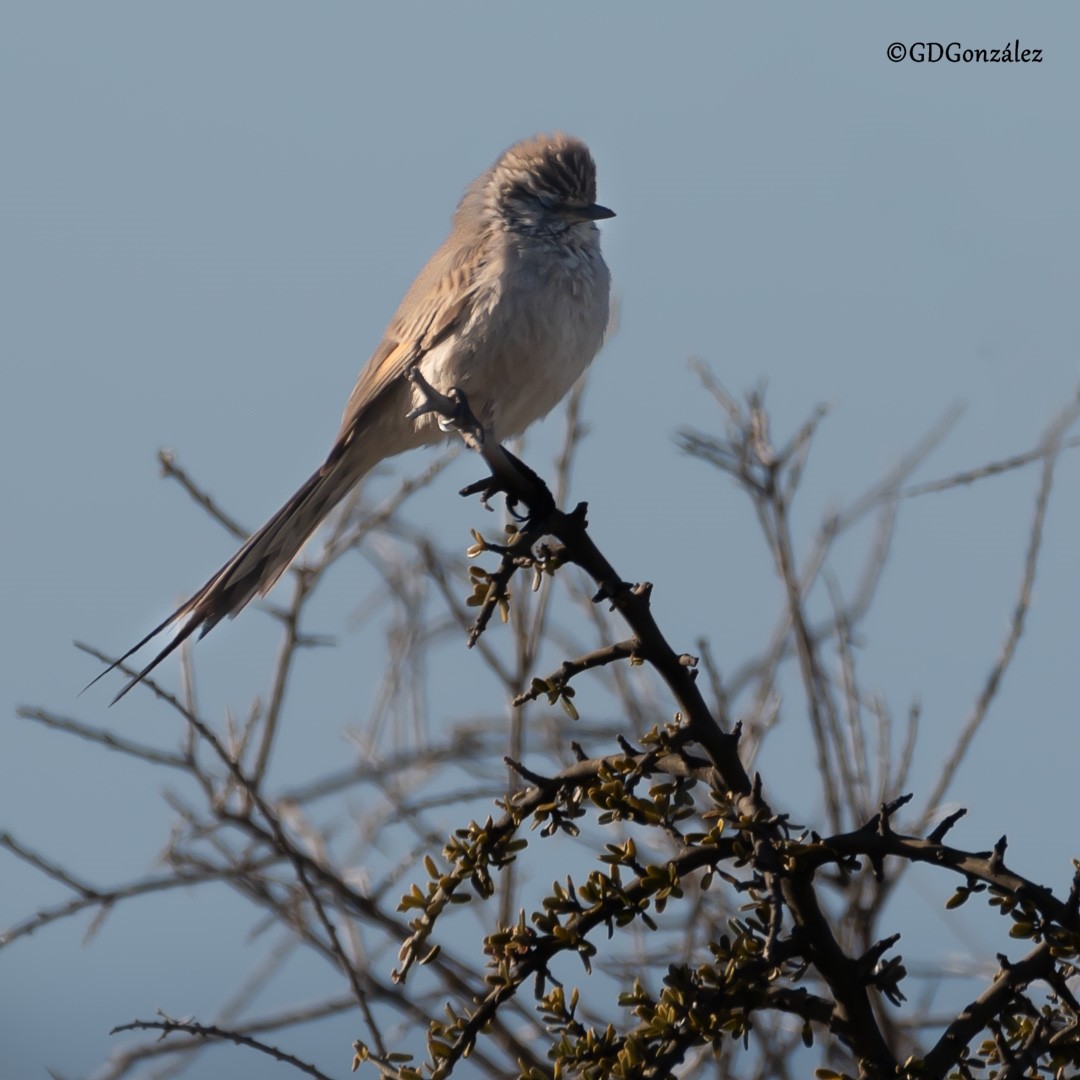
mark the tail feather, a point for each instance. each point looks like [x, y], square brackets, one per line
[256, 567]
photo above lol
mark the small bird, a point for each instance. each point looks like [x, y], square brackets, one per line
[510, 310]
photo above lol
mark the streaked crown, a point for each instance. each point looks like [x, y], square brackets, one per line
[549, 177]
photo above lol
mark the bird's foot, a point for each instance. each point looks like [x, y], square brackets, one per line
[452, 409]
[509, 474]
[521, 486]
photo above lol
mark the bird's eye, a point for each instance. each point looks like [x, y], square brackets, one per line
[547, 201]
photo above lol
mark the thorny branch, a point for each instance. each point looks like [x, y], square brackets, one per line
[718, 925]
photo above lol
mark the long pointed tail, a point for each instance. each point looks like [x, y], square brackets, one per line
[255, 568]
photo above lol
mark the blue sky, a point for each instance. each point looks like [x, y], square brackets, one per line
[210, 211]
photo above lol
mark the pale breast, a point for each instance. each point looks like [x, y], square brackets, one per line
[537, 323]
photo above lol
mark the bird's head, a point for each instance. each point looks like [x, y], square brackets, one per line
[544, 184]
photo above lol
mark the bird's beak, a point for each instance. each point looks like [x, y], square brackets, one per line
[596, 212]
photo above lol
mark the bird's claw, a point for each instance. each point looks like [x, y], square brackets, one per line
[513, 478]
[509, 475]
[485, 488]
[452, 408]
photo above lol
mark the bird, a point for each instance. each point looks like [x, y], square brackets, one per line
[509, 312]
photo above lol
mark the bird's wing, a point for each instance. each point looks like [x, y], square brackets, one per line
[438, 304]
